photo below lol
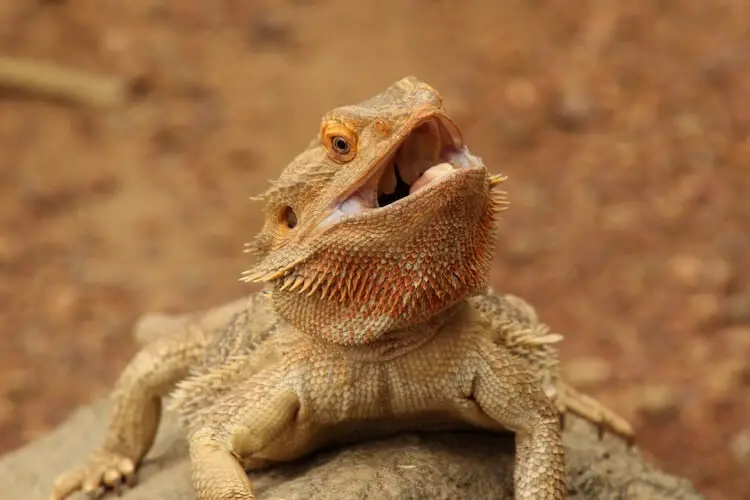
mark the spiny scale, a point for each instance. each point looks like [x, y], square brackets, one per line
[496, 179]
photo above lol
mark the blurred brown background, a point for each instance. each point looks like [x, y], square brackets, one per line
[624, 130]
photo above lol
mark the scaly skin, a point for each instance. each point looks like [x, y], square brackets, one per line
[375, 320]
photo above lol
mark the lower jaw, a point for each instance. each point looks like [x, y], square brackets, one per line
[466, 183]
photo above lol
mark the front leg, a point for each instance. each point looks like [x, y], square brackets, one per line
[511, 395]
[136, 413]
[242, 424]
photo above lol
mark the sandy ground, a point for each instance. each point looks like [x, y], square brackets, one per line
[624, 131]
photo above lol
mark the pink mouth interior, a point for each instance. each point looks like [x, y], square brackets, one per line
[427, 155]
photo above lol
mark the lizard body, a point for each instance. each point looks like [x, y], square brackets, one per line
[375, 250]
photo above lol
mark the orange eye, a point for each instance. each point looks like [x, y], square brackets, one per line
[340, 142]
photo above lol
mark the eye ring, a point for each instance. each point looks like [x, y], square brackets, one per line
[339, 141]
[340, 145]
[289, 217]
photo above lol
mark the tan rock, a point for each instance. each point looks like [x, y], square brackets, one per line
[428, 466]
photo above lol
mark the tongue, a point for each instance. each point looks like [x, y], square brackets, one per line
[430, 175]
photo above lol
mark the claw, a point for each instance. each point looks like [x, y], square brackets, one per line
[630, 441]
[104, 471]
[130, 480]
[605, 420]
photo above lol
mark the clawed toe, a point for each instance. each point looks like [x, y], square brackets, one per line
[591, 410]
[103, 472]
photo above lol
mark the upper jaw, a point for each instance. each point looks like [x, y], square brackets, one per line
[430, 151]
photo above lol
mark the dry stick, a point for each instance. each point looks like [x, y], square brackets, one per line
[55, 81]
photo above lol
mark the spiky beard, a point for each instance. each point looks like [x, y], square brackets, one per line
[356, 290]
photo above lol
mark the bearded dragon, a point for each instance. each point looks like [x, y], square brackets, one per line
[376, 319]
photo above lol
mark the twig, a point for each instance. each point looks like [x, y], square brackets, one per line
[51, 80]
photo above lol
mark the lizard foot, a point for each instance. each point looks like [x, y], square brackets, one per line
[103, 470]
[605, 420]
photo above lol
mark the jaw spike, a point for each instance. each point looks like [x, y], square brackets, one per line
[309, 287]
[326, 288]
[251, 276]
[286, 285]
[499, 201]
[298, 282]
[497, 179]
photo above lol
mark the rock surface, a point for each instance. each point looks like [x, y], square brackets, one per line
[427, 466]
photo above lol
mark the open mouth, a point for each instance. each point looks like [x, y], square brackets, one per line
[432, 151]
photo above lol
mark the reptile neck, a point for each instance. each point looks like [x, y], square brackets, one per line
[396, 342]
[349, 325]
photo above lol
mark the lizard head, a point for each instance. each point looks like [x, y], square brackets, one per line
[384, 221]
